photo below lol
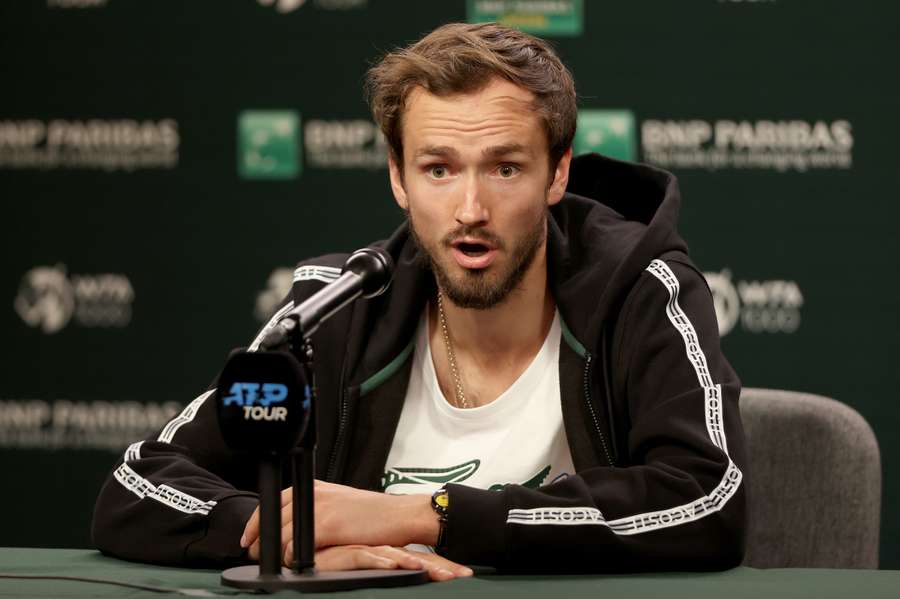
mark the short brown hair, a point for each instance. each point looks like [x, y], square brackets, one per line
[463, 58]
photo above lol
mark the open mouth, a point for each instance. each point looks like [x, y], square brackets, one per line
[473, 249]
[473, 253]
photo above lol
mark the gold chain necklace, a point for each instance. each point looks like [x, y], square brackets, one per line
[454, 371]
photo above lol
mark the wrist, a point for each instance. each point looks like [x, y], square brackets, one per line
[420, 520]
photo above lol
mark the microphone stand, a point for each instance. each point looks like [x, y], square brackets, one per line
[304, 463]
[269, 575]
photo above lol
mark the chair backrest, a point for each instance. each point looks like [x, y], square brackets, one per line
[814, 489]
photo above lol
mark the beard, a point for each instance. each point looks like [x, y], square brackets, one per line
[480, 289]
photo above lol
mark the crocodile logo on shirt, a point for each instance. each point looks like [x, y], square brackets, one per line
[453, 474]
[427, 476]
[532, 483]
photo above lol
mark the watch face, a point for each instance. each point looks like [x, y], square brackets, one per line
[439, 502]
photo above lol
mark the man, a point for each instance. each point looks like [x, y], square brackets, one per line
[541, 389]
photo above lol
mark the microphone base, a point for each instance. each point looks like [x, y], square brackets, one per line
[248, 577]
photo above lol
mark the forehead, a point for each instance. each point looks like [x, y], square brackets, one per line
[501, 113]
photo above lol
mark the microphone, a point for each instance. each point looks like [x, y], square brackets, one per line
[265, 404]
[366, 273]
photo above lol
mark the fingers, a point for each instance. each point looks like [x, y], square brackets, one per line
[439, 567]
[287, 545]
[287, 516]
[287, 537]
[251, 530]
[383, 557]
[352, 557]
[404, 559]
[359, 557]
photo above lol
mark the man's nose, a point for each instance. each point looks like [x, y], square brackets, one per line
[471, 209]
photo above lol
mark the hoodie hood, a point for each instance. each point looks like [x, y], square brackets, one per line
[615, 218]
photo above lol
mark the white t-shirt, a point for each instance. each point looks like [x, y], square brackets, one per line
[519, 438]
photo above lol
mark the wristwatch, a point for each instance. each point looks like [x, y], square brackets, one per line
[440, 503]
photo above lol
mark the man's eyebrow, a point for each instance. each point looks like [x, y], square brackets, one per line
[505, 150]
[439, 151]
[491, 152]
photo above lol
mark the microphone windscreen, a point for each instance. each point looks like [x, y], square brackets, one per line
[263, 402]
[374, 266]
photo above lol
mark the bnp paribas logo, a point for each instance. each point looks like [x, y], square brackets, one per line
[269, 144]
[608, 132]
[542, 17]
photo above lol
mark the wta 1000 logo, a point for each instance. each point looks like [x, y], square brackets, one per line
[49, 297]
[759, 306]
[257, 400]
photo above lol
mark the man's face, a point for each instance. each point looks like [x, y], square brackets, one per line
[476, 184]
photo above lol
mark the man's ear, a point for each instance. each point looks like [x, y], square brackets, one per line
[560, 179]
[397, 182]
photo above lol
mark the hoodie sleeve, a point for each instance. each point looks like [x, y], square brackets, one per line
[680, 502]
[180, 497]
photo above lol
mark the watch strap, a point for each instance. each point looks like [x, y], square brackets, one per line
[440, 503]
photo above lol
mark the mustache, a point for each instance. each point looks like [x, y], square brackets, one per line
[472, 232]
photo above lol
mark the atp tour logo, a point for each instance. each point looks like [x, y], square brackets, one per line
[257, 400]
[769, 306]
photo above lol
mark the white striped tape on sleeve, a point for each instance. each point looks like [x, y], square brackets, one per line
[326, 274]
[164, 494]
[712, 394]
[186, 415]
[133, 453]
[143, 488]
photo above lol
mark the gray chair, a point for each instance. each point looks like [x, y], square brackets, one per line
[814, 488]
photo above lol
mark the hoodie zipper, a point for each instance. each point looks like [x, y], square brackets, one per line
[590, 404]
[343, 409]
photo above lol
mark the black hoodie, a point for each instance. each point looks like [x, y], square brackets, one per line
[650, 408]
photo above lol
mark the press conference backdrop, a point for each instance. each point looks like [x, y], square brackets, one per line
[164, 164]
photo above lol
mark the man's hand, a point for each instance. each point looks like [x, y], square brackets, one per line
[348, 516]
[361, 557]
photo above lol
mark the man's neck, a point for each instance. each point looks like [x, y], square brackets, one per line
[512, 330]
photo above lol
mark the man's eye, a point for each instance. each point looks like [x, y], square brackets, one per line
[507, 170]
[438, 172]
